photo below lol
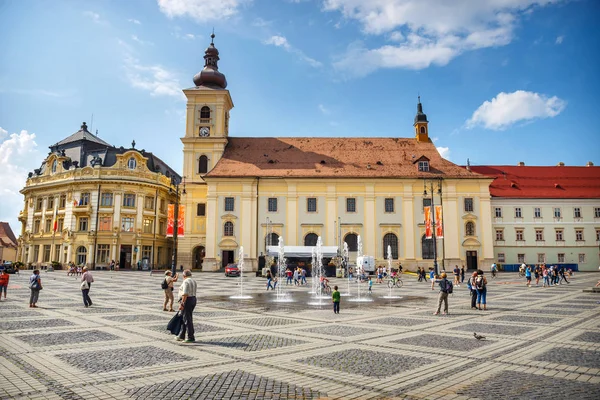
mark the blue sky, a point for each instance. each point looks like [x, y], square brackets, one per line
[501, 81]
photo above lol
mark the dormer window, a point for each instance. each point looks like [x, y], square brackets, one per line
[54, 165]
[424, 166]
[131, 164]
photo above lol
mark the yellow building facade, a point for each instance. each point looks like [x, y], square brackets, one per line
[251, 191]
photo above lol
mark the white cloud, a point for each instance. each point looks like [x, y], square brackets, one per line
[261, 23]
[201, 10]
[444, 152]
[134, 21]
[3, 133]
[155, 79]
[324, 110]
[135, 38]
[560, 39]
[95, 17]
[18, 156]
[281, 41]
[435, 31]
[507, 109]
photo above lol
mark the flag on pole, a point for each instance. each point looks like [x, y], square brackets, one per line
[54, 220]
[171, 220]
[439, 223]
[428, 228]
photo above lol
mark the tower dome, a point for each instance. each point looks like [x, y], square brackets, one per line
[210, 75]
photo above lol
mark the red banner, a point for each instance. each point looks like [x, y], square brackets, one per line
[439, 222]
[428, 230]
[171, 220]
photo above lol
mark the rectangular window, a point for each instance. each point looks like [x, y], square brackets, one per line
[46, 255]
[148, 225]
[597, 235]
[147, 252]
[521, 258]
[498, 212]
[50, 203]
[581, 257]
[541, 258]
[48, 225]
[83, 224]
[272, 204]
[103, 254]
[559, 235]
[149, 202]
[39, 203]
[161, 228]
[596, 212]
[389, 205]
[229, 203]
[105, 223]
[537, 212]
[424, 166]
[519, 234]
[129, 200]
[426, 203]
[56, 252]
[579, 235]
[60, 224]
[106, 200]
[311, 204]
[350, 205]
[62, 202]
[577, 212]
[163, 205]
[557, 213]
[561, 257]
[468, 204]
[201, 210]
[518, 213]
[501, 258]
[127, 224]
[36, 225]
[85, 199]
[539, 235]
[499, 234]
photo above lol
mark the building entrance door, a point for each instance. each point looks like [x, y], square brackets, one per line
[227, 258]
[198, 257]
[125, 256]
[472, 260]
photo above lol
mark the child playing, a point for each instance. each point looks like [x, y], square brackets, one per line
[335, 296]
[370, 286]
[4, 277]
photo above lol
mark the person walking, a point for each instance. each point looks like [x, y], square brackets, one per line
[270, 280]
[481, 287]
[443, 296]
[187, 303]
[168, 288]
[528, 275]
[419, 275]
[462, 274]
[4, 278]
[562, 272]
[546, 276]
[86, 284]
[303, 277]
[296, 274]
[473, 289]
[370, 285]
[288, 274]
[456, 275]
[35, 285]
[335, 296]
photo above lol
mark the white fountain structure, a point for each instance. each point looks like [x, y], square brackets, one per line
[359, 271]
[345, 261]
[241, 296]
[280, 291]
[317, 273]
[389, 260]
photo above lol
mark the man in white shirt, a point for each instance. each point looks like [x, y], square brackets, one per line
[187, 295]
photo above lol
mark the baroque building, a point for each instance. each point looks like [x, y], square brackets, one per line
[90, 203]
[249, 191]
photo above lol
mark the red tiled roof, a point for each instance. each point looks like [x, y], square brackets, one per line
[332, 158]
[7, 236]
[559, 182]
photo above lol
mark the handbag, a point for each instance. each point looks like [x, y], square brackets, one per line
[174, 325]
[85, 285]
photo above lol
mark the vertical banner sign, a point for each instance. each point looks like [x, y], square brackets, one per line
[171, 220]
[428, 228]
[439, 222]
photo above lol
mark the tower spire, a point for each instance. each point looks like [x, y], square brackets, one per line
[210, 75]
[420, 124]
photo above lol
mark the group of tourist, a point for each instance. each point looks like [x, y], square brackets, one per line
[552, 275]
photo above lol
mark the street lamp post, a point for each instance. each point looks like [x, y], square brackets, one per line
[430, 183]
[175, 184]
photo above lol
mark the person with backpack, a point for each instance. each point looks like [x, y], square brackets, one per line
[445, 289]
[167, 286]
[473, 290]
[481, 287]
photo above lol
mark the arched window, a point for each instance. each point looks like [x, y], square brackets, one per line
[131, 164]
[205, 112]
[427, 248]
[81, 255]
[272, 239]
[470, 229]
[422, 129]
[311, 239]
[352, 241]
[54, 165]
[391, 240]
[228, 229]
[203, 165]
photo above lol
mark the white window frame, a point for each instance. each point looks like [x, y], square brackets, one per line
[272, 204]
[518, 212]
[560, 257]
[537, 212]
[351, 204]
[231, 206]
[540, 237]
[579, 235]
[520, 232]
[423, 166]
[388, 201]
[308, 205]
[577, 212]
[501, 257]
[521, 258]
[498, 212]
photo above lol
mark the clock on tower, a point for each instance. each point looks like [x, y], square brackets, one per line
[205, 131]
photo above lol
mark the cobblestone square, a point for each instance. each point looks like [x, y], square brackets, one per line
[260, 349]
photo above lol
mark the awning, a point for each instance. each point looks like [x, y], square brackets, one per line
[302, 251]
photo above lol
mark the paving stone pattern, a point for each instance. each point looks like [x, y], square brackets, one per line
[591, 337]
[33, 324]
[116, 360]
[72, 337]
[198, 327]
[554, 311]
[137, 318]
[527, 319]
[397, 321]
[227, 385]
[366, 362]
[469, 343]
[562, 355]
[254, 342]
[99, 310]
[266, 321]
[493, 329]
[518, 385]
[339, 330]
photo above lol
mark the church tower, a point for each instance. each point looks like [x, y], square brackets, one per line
[421, 128]
[206, 132]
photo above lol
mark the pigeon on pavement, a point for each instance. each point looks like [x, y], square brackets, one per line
[478, 337]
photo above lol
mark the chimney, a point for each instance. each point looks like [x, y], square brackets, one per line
[521, 164]
[560, 164]
[589, 164]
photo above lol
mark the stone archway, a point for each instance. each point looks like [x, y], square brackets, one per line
[198, 254]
